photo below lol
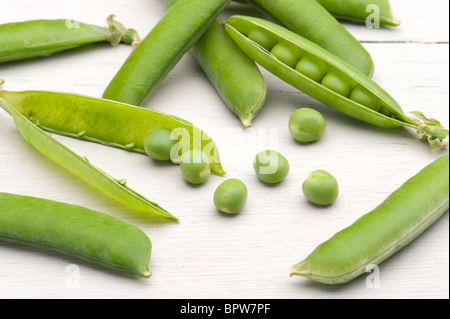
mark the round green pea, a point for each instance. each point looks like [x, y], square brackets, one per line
[312, 67]
[263, 38]
[307, 125]
[286, 53]
[195, 166]
[231, 196]
[321, 188]
[338, 82]
[158, 144]
[271, 167]
[364, 97]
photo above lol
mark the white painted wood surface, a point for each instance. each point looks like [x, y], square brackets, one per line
[209, 255]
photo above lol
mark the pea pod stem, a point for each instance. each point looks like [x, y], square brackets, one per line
[383, 110]
[37, 38]
[75, 231]
[81, 167]
[378, 235]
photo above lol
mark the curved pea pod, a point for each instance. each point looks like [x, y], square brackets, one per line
[81, 167]
[159, 52]
[332, 81]
[107, 122]
[75, 231]
[234, 75]
[360, 10]
[36, 38]
[378, 235]
[310, 20]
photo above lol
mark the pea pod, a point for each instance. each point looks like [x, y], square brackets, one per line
[74, 231]
[327, 78]
[376, 236]
[235, 76]
[359, 10]
[310, 20]
[81, 167]
[106, 122]
[29, 39]
[159, 52]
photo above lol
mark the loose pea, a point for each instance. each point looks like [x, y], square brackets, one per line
[321, 188]
[158, 144]
[195, 166]
[271, 167]
[307, 125]
[364, 97]
[263, 38]
[231, 196]
[338, 82]
[286, 53]
[312, 68]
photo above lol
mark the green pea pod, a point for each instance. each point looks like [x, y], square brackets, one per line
[357, 10]
[376, 236]
[159, 52]
[74, 231]
[81, 167]
[335, 83]
[107, 122]
[29, 39]
[360, 10]
[235, 76]
[310, 20]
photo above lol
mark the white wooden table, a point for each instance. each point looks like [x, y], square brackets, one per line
[209, 255]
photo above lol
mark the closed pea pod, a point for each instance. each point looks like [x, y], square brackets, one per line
[74, 231]
[234, 75]
[310, 20]
[29, 39]
[159, 52]
[333, 90]
[361, 10]
[107, 122]
[357, 10]
[81, 167]
[378, 235]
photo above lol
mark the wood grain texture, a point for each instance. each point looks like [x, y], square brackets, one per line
[210, 255]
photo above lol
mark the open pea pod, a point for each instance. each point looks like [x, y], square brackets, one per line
[327, 78]
[107, 122]
[81, 167]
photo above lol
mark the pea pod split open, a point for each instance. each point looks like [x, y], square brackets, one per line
[74, 231]
[159, 52]
[376, 236]
[327, 78]
[29, 39]
[107, 122]
[310, 20]
[81, 167]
